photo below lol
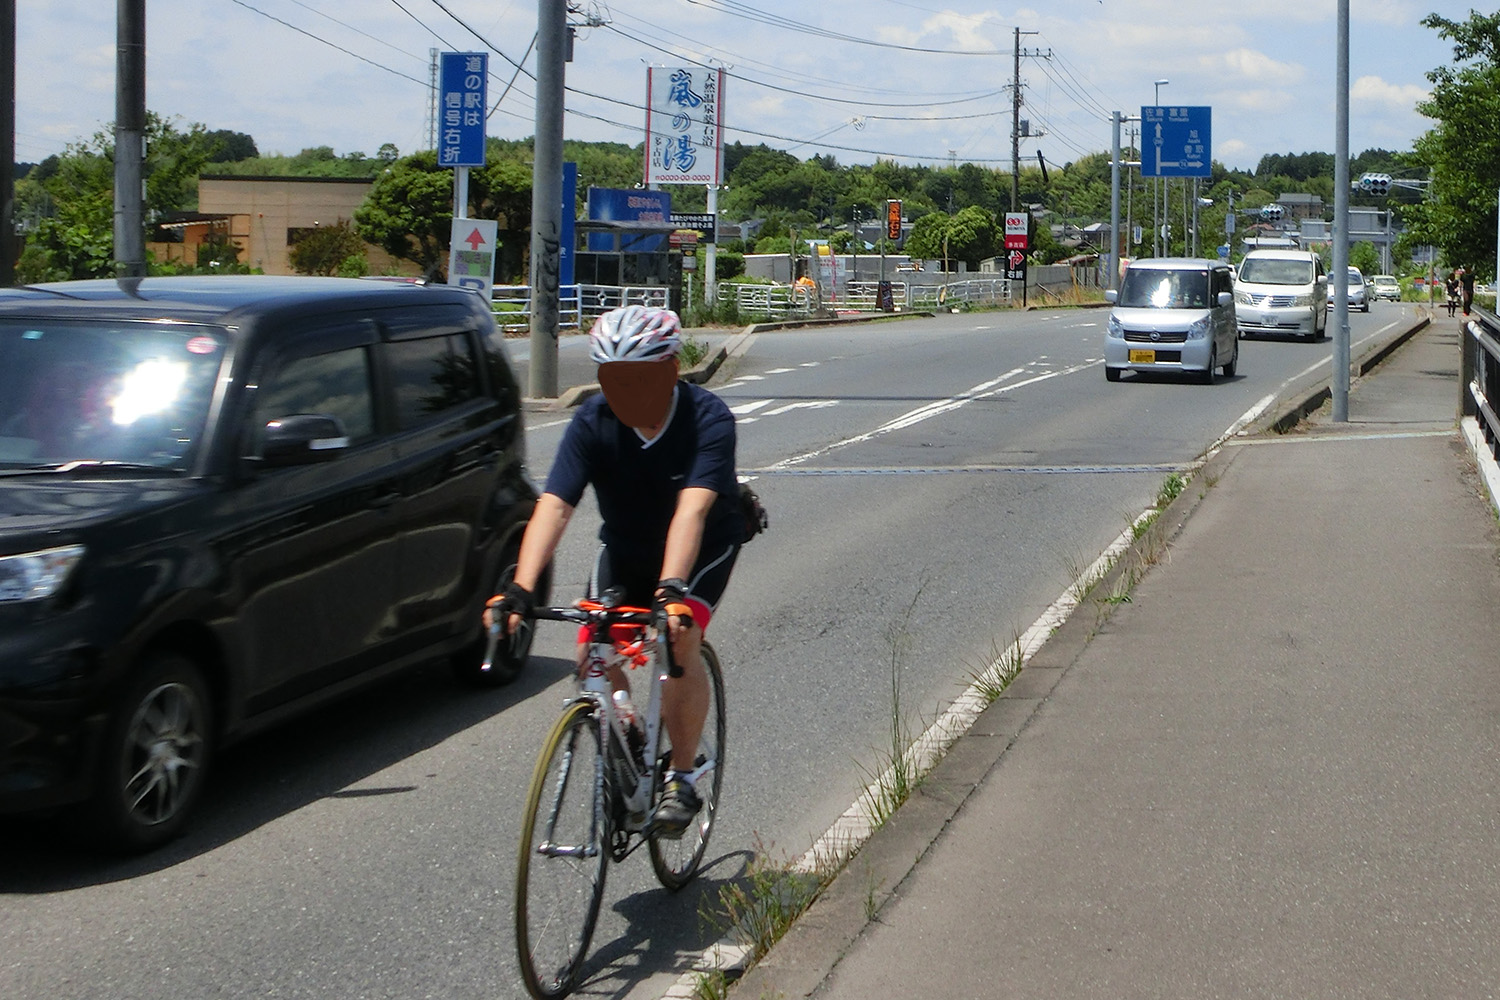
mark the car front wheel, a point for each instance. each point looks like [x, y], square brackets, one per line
[155, 758]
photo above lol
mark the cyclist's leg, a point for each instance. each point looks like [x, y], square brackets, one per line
[685, 699]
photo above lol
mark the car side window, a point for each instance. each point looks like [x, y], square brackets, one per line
[336, 383]
[430, 375]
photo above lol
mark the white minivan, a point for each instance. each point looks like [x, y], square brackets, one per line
[1280, 293]
[1173, 314]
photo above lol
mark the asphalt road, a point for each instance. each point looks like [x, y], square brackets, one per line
[934, 485]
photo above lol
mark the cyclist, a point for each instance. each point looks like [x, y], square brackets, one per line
[659, 453]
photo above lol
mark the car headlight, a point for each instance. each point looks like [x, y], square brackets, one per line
[1244, 298]
[1114, 328]
[36, 576]
[1304, 300]
[1199, 329]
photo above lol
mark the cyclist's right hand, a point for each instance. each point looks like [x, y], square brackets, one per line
[511, 605]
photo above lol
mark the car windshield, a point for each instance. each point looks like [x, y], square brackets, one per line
[1355, 277]
[1273, 271]
[122, 393]
[1156, 288]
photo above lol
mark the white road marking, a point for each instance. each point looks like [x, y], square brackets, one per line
[810, 404]
[750, 407]
[982, 391]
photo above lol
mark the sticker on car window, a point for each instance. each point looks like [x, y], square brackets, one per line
[202, 345]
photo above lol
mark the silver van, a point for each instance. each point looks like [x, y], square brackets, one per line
[1281, 293]
[1172, 314]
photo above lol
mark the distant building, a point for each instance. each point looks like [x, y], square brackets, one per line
[1301, 206]
[265, 216]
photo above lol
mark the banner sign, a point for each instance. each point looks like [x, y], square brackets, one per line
[627, 205]
[461, 104]
[567, 264]
[893, 220]
[684, 125]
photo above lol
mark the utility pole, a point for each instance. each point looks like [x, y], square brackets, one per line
[1340, 276]
[8, 143]
[1015, 118]
[546, 195]
[130, 134]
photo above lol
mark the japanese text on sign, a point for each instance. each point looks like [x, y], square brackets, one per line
[684, 125]
[461, 111]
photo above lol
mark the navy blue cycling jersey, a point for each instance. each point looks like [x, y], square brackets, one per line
[637, 484]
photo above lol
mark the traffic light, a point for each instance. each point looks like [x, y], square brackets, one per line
[1272, 212]
[1376, 184]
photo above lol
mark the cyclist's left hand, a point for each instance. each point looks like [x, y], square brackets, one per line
[671, 598]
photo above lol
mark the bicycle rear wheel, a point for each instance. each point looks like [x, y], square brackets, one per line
[676, 861]
[564, 853]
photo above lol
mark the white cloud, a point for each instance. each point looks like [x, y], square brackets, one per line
[1372, 90]
[1253, 65]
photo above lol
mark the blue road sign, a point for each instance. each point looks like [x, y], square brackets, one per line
[461, 109]
[1175, 142]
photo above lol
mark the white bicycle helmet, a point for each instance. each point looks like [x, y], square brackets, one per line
[635, 333]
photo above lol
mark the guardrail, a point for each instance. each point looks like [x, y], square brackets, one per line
[769, 302]
[1479, 376]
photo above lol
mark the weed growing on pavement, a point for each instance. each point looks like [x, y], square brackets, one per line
[711, 986]
[1171, 489]
[758, 908]
[691, 352]
[893, 784]
[990, 682]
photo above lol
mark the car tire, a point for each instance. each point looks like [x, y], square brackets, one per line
[1112, 374]
[510, 653]
[155, 757]
[1206, 376]
[1233, 367]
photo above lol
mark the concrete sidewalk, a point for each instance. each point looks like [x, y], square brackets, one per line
[1274, 772]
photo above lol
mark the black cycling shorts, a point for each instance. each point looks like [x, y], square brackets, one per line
[705, 586]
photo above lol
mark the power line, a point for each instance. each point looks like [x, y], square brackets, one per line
[751, 14]
[347, 52]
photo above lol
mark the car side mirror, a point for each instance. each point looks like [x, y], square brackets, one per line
[302, 439]
[1225, 298]
[1111, 295]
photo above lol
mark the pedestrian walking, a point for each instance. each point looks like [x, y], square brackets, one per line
[1466, 282]
[1450, 289]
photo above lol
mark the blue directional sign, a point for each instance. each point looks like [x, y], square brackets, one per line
[461, 109]
[1175, 142]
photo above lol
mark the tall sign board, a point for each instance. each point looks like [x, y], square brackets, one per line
[461, 108]
[471, 254]
[1176, 142]
[685, 125]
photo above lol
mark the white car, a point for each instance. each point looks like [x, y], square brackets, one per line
[1385, 286]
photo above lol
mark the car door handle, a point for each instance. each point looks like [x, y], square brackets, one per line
[384, 500]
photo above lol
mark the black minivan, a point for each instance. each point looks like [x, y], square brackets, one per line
[223, 499]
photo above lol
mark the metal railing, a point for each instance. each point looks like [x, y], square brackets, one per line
[576, 303]
[767, 302]
[1479, 376]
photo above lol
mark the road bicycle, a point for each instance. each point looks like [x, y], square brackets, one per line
[596, 784]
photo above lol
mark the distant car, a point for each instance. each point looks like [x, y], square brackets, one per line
[1359, 295]
[1172, 315]
[1385, 286]
[226, 499]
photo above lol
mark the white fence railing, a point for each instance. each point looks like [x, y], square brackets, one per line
[576, 303]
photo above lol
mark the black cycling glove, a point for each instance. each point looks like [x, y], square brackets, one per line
[513, 600]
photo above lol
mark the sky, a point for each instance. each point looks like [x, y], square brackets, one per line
[915, 81]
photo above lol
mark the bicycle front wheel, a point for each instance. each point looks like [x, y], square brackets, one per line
[676, 861]
[564, 852]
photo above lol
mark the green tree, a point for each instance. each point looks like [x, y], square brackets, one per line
[409, 211]
[1462, 151]
[925, 241]
[501, 190]
[76, 240]
[974, 235]
[326, 249]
